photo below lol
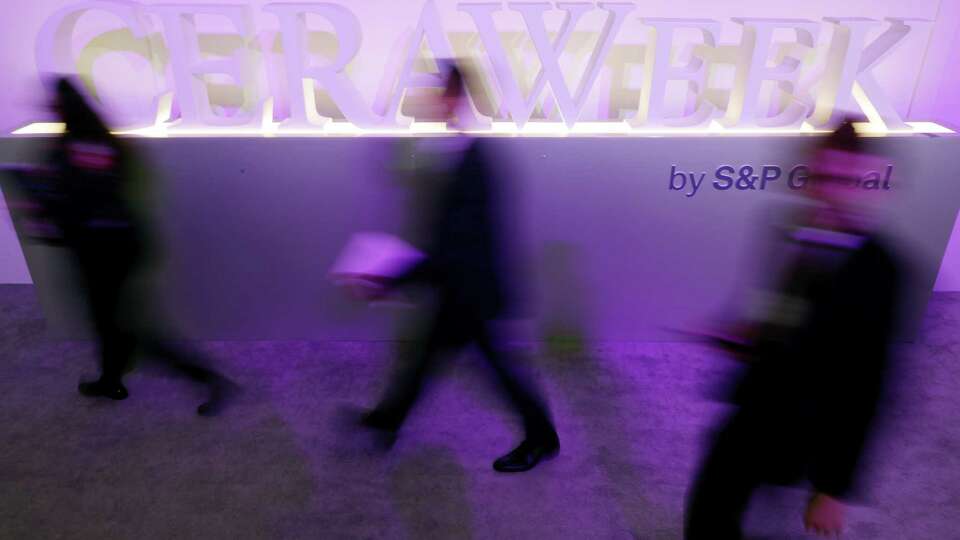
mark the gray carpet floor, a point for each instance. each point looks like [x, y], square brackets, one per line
[280, 464]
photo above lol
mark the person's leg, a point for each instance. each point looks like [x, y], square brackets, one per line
[116, 345]
[117, 349]
[720, 494]
[540, 439]
[194, 366]
[414, 368]
[519, 389]
[180, 359]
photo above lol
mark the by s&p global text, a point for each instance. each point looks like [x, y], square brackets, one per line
[763, 177]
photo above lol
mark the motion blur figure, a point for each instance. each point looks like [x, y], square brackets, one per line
[89, 206]
[466, 268]
[817, 349]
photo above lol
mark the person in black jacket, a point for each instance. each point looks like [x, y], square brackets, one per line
[816, 351]
[90, 208]
[465, 265]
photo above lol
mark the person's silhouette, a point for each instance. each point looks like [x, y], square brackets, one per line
[817, 349]
[465, 266]
[98, 223]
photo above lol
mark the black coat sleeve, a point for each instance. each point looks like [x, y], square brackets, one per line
[853, 372]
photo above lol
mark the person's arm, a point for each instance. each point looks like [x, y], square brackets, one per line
[845, 426]
[855, 387]
[853, 384]
[422, 272]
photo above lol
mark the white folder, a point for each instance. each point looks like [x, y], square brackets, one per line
[374, 255]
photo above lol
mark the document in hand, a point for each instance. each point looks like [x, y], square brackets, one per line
[375, 255]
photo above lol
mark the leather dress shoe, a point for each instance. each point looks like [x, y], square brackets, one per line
[384, 425]
[528, 455]
[222, 393]
[100, 388]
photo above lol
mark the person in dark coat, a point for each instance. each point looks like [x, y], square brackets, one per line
[466, 267]
[816, 354]
[90, 207]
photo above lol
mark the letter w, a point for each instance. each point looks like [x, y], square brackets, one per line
[570, 105]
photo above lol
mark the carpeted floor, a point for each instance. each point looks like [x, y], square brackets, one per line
[281, 465]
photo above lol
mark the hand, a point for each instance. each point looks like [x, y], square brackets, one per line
[824, 515]
[368, 291]
[366, 288]
[735, 339]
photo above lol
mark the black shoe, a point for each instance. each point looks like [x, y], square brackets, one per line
[528, 455]
[223, 392]
[378, 419]
[384, 425]
[99, 388]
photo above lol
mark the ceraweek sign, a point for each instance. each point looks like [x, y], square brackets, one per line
[783, 93]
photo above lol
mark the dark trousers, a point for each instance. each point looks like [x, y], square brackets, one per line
[721, 491]
[754, 447]
[105, 276]
[450, 330]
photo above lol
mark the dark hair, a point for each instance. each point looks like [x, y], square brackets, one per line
[844, 138]
[80, 118]
[454, 87]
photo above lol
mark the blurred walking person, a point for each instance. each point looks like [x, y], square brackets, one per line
[817, 349]
[465, 265]
[89, 207]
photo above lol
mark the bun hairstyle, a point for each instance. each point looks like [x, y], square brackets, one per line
[844, 139]
[454, 87]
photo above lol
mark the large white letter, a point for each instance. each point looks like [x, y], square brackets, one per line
[752, 72]
[428, 28]
[849, 82]
[570, 106]
[521, 108]
[660, 71]
[189, 68]
[300, 78]
[54, 48]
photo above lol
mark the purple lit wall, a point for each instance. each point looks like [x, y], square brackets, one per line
[613, 250]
